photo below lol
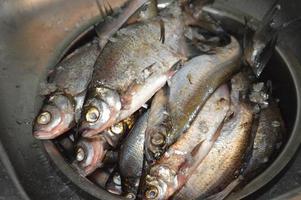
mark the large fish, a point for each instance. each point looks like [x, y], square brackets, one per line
[223, 163]
[171, 171]
[191, 86]
[130, 70]
[131, 157]
[66, 94]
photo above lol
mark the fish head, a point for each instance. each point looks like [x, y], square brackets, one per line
[55, 118]
[100, 111]
[156, 142]
[158, 182]
[89, 153]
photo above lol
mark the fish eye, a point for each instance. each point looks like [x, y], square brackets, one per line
[92, 115]
[44, 118]
[158, 139]
[152, 193]
[80, 154]
[117, 128]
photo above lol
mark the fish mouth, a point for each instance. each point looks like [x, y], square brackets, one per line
[55, 118]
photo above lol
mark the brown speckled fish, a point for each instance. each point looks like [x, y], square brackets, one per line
[223, 163]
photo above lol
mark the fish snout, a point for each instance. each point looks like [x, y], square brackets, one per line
[55, 118]
[89, 154]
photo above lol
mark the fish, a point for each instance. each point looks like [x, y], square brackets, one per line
[68, 85]
[91, 152]
[158, 126]
[259, 45]
[195, 82]
[131, 157]
[223, 163]
[267, 140]
[130, 70]
[269, 130]
[170, 172]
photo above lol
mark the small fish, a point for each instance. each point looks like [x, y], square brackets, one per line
[170, 172]
[131, 157]
[259, 46]
[223, 163]
[158, 126]
[192, 85]
[130, 71]
[91, 152]
[63, 106]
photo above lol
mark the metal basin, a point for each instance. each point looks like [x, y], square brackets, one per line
[36, 34]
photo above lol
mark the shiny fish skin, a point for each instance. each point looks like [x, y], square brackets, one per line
[158, 126]
[70, 78]
[179, 160]
[131, 157]
[223, 163]
[191, 86]
[132, 68]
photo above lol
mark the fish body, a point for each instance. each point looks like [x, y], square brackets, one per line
[131, 157]
[170, 172]
[191, 86]
[223, 163]
[131, 69]
[64, 104]
[267, 140]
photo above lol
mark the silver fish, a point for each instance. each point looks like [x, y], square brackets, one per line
[191, 86]
[131, 157]
[171, 171]
[130, 70]
[70, 80]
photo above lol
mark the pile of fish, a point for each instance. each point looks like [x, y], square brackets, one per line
[164, 103]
